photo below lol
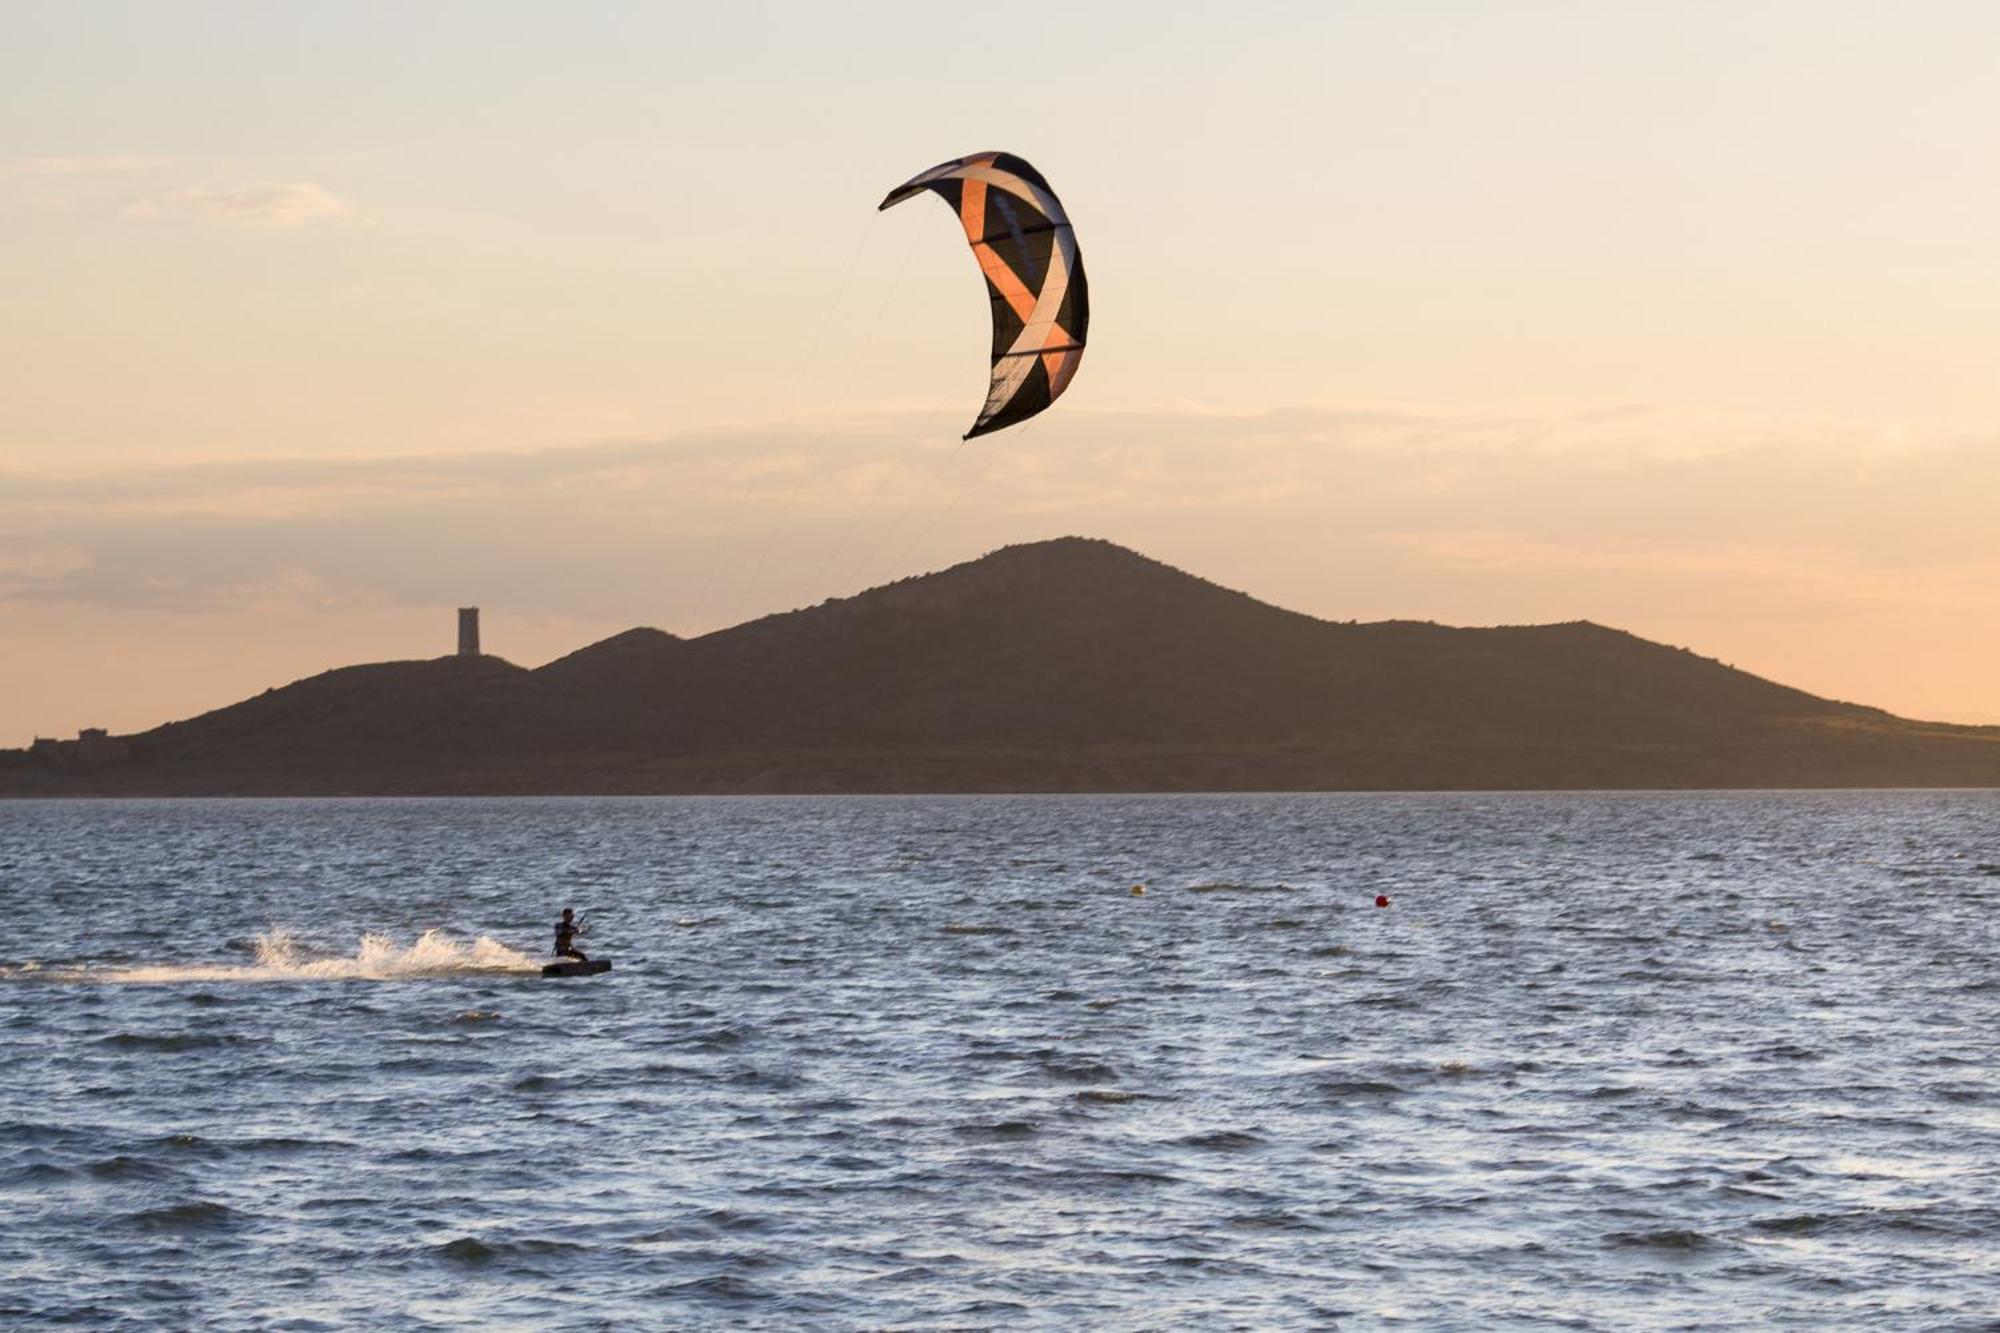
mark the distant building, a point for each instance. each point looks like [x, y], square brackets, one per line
[468, 631]
[92, 747]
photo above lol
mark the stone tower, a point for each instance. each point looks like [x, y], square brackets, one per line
[468, 631]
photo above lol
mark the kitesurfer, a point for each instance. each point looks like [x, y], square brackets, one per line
[567, 930]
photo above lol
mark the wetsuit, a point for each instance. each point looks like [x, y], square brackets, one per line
[566, 932]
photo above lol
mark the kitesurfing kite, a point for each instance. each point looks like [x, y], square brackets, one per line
[1026, 248]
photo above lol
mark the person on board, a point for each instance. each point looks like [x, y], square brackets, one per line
[567, 930]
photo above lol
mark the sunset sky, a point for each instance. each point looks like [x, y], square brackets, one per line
[320, 322]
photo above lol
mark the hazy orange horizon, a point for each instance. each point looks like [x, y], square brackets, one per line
[323, 324]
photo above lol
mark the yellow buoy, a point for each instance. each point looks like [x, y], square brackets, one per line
[1138, 890]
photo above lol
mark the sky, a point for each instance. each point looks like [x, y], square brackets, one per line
[320, 322]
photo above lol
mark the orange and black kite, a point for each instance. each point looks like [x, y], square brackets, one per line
[1026, 248]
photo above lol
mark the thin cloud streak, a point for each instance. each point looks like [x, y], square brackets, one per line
[1621, 491]
[286, 205]
[103, 164]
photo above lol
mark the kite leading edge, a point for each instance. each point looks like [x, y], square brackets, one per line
[1034, 275]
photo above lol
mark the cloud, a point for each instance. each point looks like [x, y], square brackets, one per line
[1396, 511]
[103, 164]
[24, 568]
[288, 205]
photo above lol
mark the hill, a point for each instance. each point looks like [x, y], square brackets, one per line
[1062, 665]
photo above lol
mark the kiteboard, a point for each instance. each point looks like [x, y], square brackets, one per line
[577, 968]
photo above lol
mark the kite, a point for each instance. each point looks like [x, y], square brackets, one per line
[1027, 250]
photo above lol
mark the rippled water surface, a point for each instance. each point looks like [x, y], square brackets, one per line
[1621, 1061]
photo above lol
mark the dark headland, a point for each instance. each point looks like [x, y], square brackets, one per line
[1069, 665]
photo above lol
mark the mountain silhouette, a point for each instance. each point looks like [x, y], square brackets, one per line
[1062, 665]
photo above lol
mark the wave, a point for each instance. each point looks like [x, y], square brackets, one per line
[196, 1215]
[1226, 886]
[168, 1041]
[1664, 1238]
[280, 957]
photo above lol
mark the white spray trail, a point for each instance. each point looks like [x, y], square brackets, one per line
[280, 958]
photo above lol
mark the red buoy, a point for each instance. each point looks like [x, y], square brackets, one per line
[1381, 900]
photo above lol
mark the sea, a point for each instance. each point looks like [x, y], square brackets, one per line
[1618, 1061]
